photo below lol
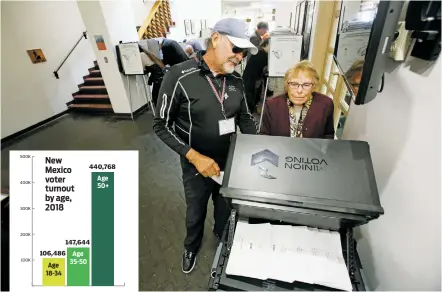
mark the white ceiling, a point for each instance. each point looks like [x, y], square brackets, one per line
[251, 7]
[250, 3]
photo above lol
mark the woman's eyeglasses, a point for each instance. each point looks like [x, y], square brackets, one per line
[295, 85]
[355, 85]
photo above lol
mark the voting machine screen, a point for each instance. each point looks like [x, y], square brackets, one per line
[336, 174]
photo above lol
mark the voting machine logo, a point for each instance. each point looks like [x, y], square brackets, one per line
[265, 156]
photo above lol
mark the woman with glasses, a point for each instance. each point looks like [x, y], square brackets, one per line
[300, 112]
[354, 76]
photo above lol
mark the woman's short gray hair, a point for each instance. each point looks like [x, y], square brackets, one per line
[357, 67]
[303, 66]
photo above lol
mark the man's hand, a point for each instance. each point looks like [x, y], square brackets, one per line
[205, 165]
[154, 58]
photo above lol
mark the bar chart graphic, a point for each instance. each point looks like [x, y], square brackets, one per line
[74, 220]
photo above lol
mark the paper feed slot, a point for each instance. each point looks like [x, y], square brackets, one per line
[222, 281]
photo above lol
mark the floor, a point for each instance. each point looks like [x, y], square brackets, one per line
[162, 206]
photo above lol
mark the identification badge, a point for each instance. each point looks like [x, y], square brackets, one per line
[226, 126]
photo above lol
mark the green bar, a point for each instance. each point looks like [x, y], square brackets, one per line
[78, 266]
[102, 229]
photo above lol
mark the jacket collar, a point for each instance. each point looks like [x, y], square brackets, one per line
[201, 64]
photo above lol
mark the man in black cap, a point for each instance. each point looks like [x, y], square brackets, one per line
[201, 103]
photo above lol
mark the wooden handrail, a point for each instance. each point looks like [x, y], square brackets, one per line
[149, 18]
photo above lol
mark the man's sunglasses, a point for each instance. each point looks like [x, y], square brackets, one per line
[237, 50]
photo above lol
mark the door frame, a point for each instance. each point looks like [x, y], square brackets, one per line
[331, 80]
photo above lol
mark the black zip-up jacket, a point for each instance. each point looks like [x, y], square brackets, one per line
[188, 111]
[173, 53]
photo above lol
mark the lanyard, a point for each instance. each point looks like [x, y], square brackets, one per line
[217, 94]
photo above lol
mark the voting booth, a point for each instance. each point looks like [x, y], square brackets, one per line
[295, 204]
[284, 52]
[130, 64]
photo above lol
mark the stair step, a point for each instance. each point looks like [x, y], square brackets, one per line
[91, 98]
[98, 96]
[92, 87]
[94, 73]
[99, 89]
[91, 106]
[89, 80]
[93, 78]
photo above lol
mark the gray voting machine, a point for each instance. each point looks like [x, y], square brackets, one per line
[318, 183]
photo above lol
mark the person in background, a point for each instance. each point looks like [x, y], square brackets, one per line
[190, 52]
[261, 29]
[200, 105]
[354, 76]
[155, 67]
[195, 45]
[300, 112]
[146, 61]
[172, 52]
[254, 76]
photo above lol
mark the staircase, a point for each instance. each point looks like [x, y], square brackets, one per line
[92, 94]
[158, 22]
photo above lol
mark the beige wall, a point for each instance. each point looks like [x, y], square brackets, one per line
[30, 93]
[402, 249]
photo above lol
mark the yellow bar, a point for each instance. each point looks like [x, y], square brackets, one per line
[54, 271]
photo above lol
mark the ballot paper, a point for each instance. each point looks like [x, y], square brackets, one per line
[288, 253]
[219, 179]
